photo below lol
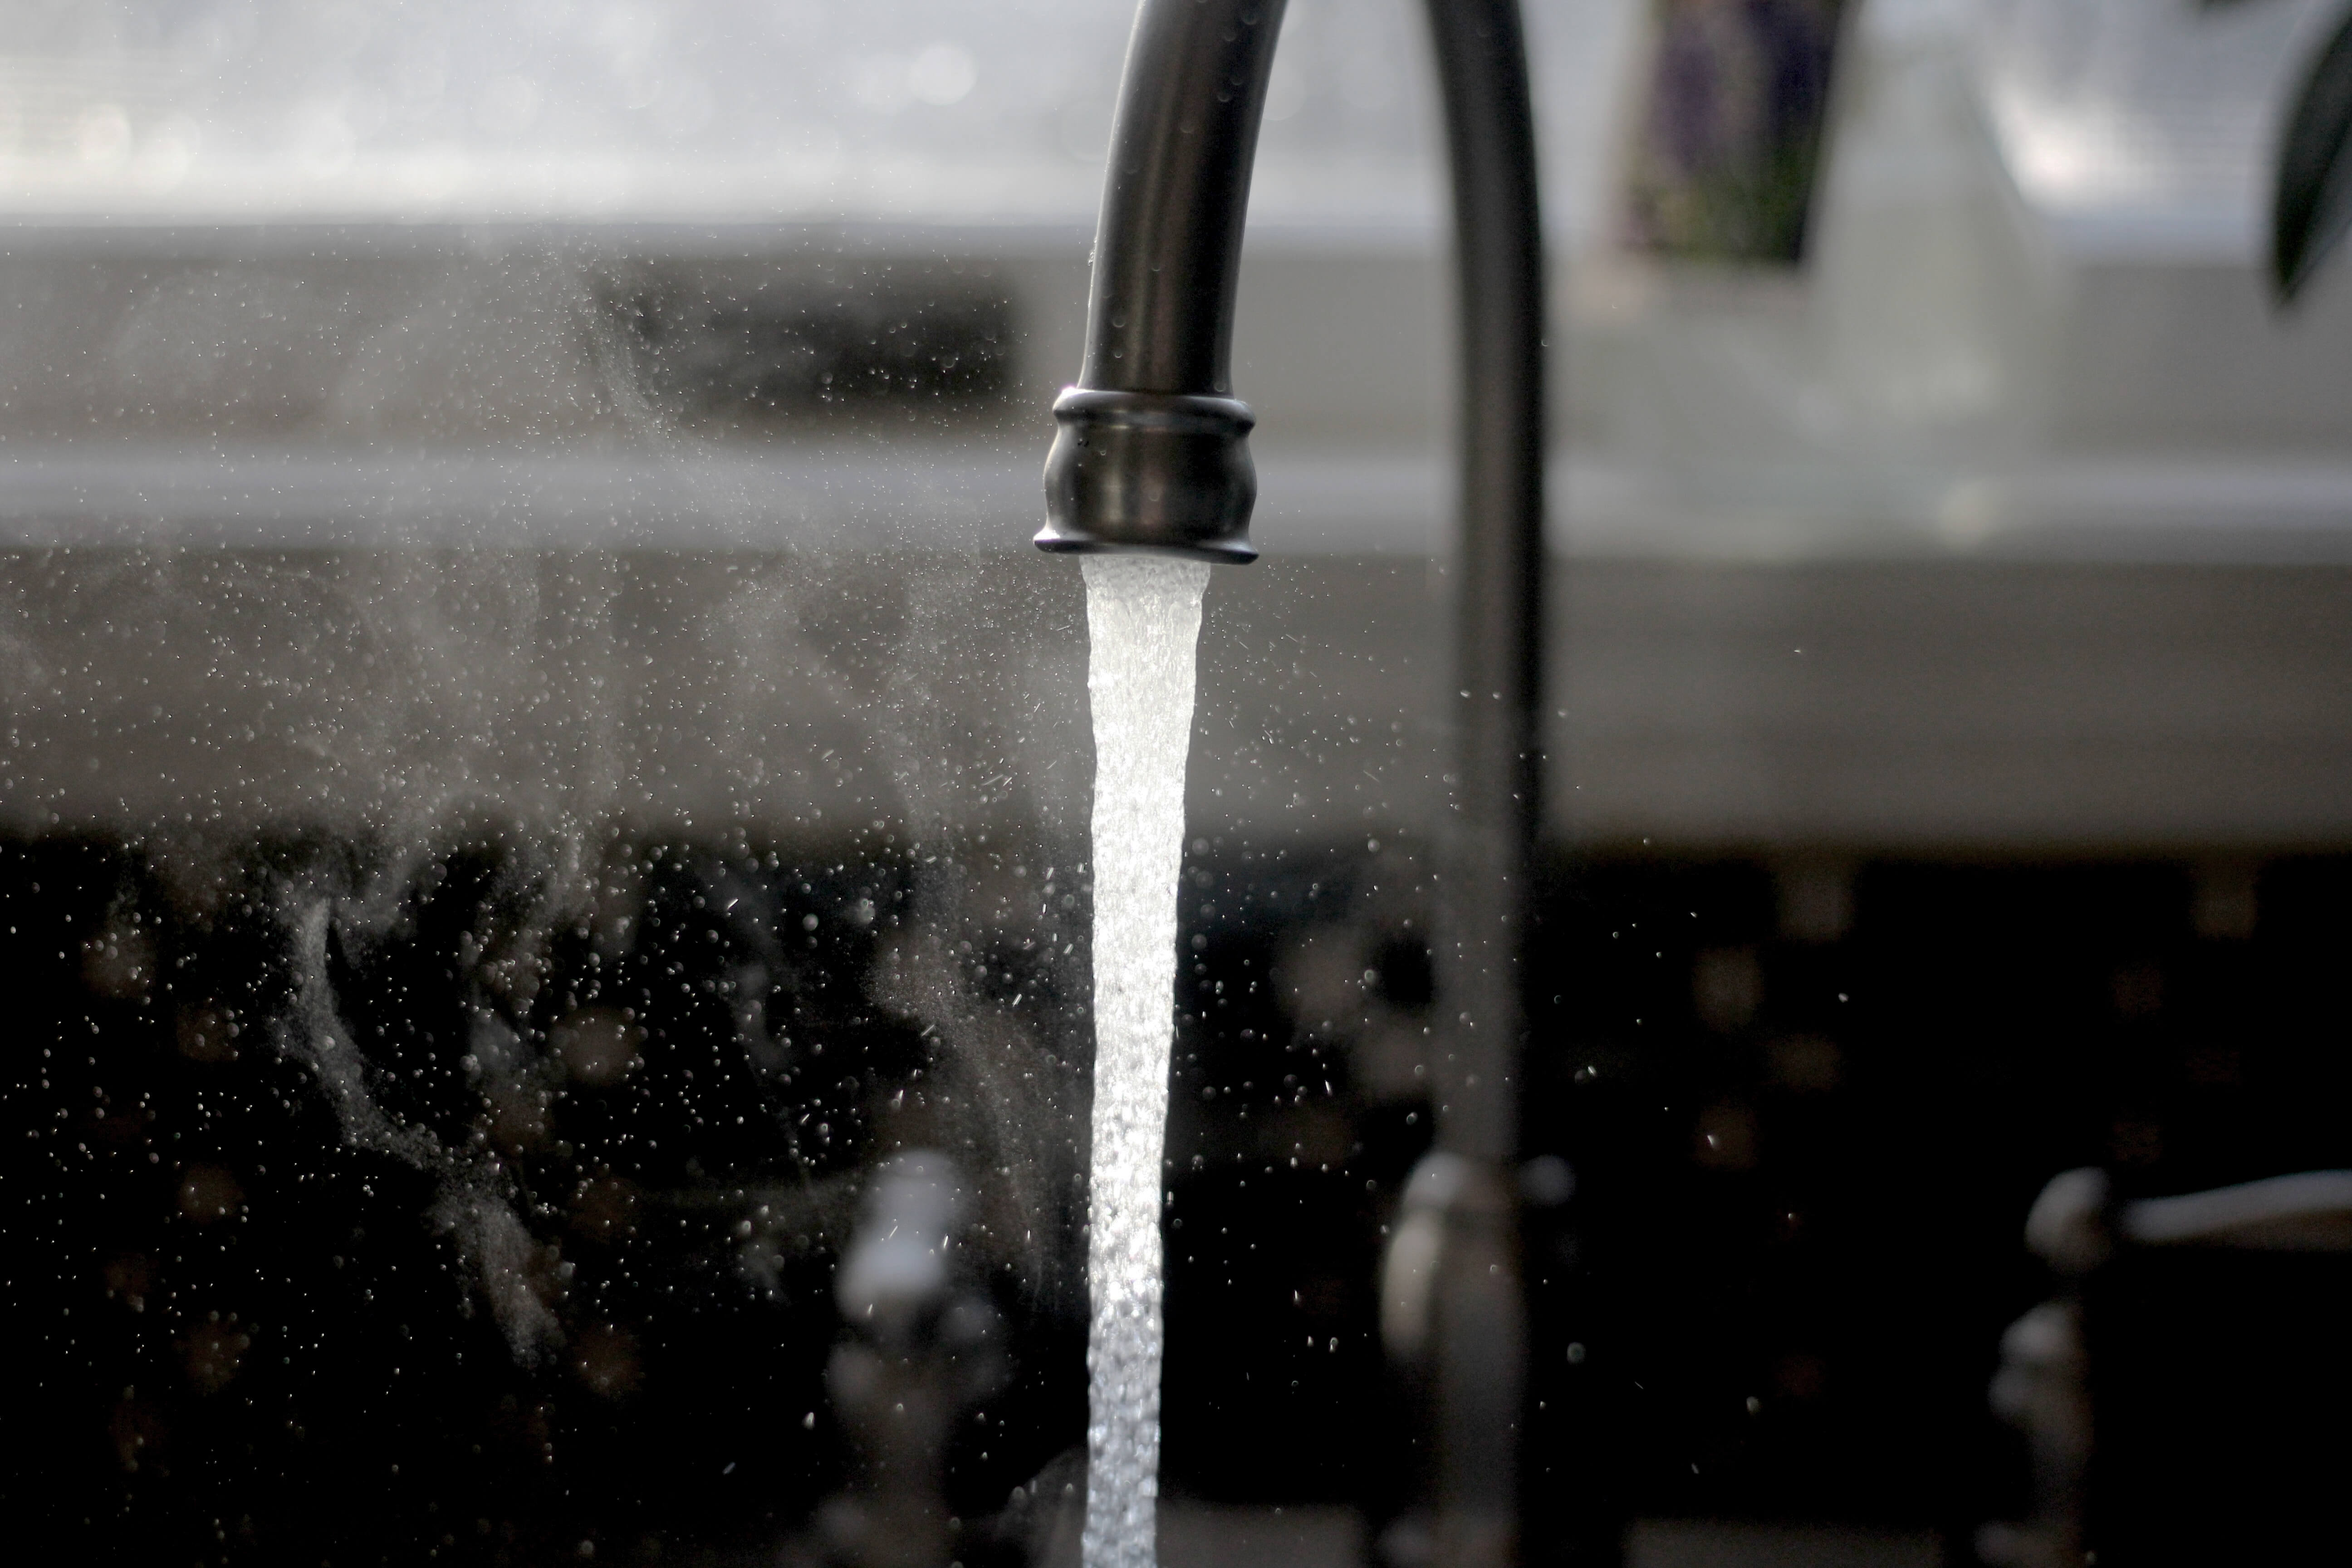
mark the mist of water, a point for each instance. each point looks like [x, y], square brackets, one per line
[1143, 617]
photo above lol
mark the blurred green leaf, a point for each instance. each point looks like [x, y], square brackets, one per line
[2312, 205]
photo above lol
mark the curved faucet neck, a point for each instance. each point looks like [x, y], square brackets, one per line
[1176, 195]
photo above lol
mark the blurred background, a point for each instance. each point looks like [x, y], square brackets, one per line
[543, 792]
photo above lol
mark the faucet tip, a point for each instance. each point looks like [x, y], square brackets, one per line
[1166, 473]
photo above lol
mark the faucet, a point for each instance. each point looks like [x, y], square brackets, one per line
[1152, 454]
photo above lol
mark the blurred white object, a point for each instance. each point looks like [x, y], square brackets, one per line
[2136, 126]
[921, 1344]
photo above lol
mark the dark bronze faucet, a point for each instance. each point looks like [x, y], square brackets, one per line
[1152, 455]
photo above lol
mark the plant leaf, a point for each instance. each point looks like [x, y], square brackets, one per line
[2312, 205]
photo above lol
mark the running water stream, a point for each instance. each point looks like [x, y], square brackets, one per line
[1143, 622]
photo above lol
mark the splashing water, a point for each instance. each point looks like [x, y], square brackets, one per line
[1143, 619]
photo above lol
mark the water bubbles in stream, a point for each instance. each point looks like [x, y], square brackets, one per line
[1143, 617]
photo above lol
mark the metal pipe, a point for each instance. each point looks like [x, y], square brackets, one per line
[1153, 449]
[1486, 846]
[1152, 454]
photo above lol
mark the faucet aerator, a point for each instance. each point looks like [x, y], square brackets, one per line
[1168, 473]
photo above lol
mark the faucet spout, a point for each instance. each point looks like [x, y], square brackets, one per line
[1152, 451]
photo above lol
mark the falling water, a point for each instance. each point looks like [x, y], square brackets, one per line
[1143, 617]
